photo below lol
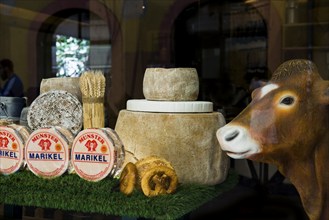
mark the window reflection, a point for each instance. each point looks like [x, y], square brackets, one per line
[71, 56]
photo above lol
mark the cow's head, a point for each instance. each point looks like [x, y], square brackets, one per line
[285, 118]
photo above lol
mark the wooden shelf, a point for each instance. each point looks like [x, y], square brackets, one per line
[305, 33]
[303, 24]
[305, 48]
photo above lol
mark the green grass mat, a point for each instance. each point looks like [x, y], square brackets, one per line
[71, 193]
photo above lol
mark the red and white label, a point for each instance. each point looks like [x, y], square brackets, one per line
[11, 151]
[47, 153]
[92, 154]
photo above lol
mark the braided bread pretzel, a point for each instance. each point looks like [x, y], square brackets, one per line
[154, 176]
[128, 178]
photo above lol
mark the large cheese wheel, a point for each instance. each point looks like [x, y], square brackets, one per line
[188, 141]
[171, 84]
[56, 108]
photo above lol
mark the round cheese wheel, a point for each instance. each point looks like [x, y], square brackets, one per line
[171, 84]
[47, 152]
[56, 108]
[12, 141]
[169, 106]
[93, 154]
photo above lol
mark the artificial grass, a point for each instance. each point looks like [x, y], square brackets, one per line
[71, 193]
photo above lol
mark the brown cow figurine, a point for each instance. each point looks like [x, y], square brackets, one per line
[287, 124]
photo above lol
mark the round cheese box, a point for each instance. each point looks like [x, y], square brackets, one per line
[47, 152]
[11, 148]
[94, 154]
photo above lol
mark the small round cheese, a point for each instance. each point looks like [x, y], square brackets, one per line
[171, 84]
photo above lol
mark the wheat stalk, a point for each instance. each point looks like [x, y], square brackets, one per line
[92, 86]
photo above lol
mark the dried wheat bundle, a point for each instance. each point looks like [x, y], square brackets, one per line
[92, 85]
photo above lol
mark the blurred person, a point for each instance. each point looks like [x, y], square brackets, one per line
[256, 83]
[256, 77]
[13, 86]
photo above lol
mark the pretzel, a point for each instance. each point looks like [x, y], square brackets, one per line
[153, 175]
[159, 180]
[146, 163]
[128, 178]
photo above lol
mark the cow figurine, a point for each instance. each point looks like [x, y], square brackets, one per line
[287, 124]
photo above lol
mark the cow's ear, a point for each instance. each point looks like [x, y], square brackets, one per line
[254, 93]
[324, 92]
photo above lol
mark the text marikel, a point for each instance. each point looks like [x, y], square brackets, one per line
[89, 157]
[45, 156]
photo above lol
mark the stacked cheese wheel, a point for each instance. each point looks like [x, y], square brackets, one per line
[171, 123]
[55, 117]
[173, 90]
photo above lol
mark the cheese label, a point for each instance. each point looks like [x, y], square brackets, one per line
[11, 150]
[92, 154]
[47, 153]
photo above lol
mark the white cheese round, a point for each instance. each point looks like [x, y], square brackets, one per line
[143, 105]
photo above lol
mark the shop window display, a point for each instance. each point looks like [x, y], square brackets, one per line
[235, 48]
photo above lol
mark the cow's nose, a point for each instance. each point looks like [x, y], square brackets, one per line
[231, 135]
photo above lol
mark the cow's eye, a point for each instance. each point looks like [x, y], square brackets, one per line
[287, 100]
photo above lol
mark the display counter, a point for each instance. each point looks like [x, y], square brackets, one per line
[71, 193]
